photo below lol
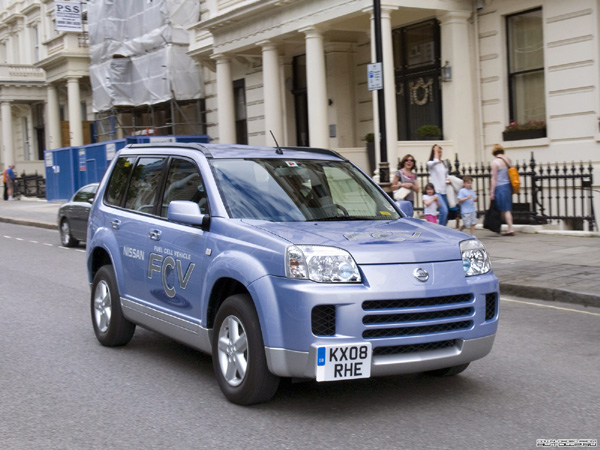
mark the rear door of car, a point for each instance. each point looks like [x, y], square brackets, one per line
[133, 190]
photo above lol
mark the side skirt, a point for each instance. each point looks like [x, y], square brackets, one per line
[184, 331]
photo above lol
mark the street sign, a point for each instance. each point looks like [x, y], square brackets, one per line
[375, 76]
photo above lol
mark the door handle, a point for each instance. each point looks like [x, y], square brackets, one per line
[155, 235]
[116, 224]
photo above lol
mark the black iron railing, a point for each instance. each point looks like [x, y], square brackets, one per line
[30, 186]
[549, 192]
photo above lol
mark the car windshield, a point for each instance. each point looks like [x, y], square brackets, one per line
[282, 190]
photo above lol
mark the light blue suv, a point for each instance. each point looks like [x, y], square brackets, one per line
[282, 262]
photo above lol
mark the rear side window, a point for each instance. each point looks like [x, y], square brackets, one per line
[145, 184]
[118, 181]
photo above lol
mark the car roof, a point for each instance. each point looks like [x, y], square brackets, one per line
[244, 151]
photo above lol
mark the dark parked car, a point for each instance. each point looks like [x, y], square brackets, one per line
[73, 216]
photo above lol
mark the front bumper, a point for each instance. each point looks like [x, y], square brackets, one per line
[289, 363]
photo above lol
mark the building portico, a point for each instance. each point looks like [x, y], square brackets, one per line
[304, 65]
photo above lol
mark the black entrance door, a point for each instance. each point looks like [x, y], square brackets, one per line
[417, 72]
[301, 101]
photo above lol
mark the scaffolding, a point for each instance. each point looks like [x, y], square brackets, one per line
[142, 79]
[169, 118]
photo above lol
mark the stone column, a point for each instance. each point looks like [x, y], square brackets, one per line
[75, 125]
[8, 150]
[225, 101]
[316, 81]
[458, 95]
[53, 119]
[389, 83]
[272, 93]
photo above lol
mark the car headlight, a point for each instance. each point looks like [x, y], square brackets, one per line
[475, 258]
[321, 264]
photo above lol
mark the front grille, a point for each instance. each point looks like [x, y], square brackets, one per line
[491, 302]
[418, 330]
[413, 348]
[323, 320]
[413, 317]
[416, 302]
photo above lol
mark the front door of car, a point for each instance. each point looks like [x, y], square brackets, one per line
[176, 252]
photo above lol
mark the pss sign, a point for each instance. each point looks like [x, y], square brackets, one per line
[68, 16]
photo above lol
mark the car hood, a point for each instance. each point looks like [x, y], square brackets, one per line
[375, 242]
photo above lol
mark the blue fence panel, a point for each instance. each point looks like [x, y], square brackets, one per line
[61, 175]
[203, 139]
[69, 168]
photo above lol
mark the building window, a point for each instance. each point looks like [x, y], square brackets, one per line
[525, 40]
[241, 123]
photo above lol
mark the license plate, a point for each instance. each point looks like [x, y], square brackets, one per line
[343, 362]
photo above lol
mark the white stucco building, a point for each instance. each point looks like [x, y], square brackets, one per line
[45, 96]
[298, 68]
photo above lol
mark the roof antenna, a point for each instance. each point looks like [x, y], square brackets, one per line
[278, 151]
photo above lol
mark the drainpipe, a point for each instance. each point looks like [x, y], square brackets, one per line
[478, 6]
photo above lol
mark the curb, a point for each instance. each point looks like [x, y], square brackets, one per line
[549, 294]
[30, 223]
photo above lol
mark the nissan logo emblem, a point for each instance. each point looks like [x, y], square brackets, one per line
[421, 275]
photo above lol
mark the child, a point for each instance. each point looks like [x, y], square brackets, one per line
[431, 202]
[466, 199]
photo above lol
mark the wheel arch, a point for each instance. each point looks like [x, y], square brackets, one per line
[221, 290]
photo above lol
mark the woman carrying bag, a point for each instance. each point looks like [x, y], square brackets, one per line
[501, 187]
[405, 182]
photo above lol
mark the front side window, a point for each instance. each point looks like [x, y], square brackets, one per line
[144, 184]
[85, 194]
[299, 190]
[184, 183]
[526, 67]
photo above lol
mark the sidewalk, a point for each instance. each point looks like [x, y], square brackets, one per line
[537, 264]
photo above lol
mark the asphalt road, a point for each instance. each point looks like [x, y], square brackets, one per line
[59, 389]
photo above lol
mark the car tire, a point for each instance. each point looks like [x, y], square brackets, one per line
[448, 371]
[110, 327]
[238, 351]
[66, 238]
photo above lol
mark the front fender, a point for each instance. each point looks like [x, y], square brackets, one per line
[249, 272]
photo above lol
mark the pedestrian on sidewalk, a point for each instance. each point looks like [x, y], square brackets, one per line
[438, 176]
[501, 188]
[466, 199]
[431, 202]
[4, 178]
[10, 180]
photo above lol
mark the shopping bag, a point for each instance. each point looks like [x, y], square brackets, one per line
[492, 220]
[515, 181]
[401, 194]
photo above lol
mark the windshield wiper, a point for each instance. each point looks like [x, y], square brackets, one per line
[338, 218]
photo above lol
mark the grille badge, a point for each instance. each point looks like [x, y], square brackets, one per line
[421, 274]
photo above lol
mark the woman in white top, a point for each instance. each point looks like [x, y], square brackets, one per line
[438, 175]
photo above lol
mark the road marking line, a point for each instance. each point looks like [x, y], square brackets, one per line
[549, 306]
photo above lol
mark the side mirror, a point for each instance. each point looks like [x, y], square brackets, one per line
[406, 207]
[188, 213]
[91, 200]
